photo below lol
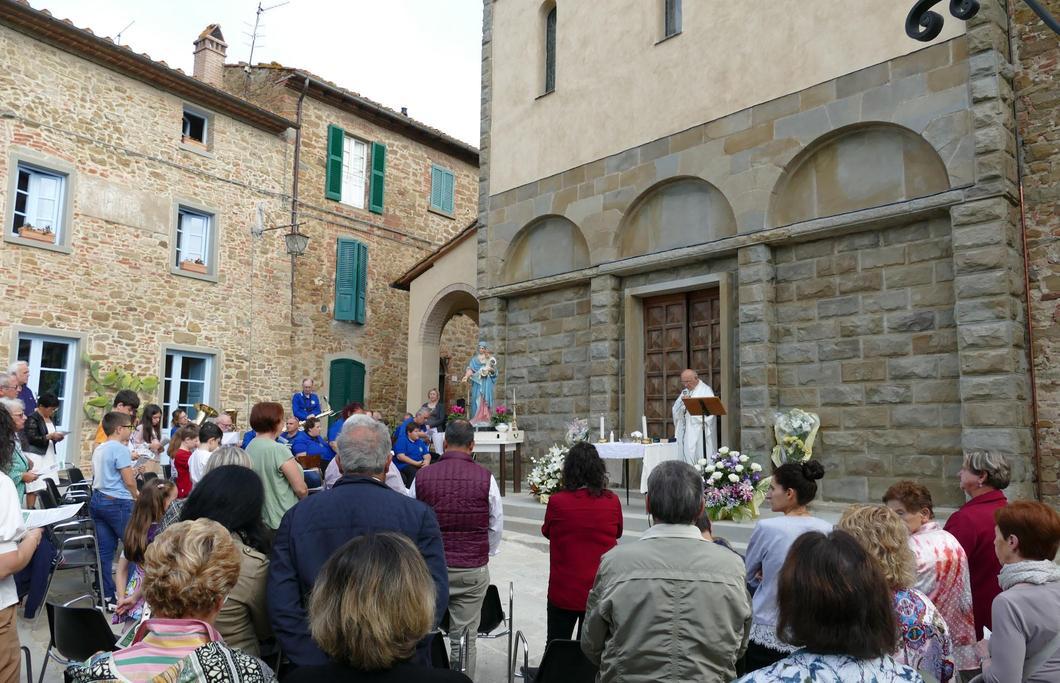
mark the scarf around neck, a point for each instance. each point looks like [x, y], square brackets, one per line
[1035, 572]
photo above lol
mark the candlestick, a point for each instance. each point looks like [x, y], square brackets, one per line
[601, 427]
[644, 425]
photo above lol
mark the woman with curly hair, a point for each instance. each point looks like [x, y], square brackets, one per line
[188, 571]
[925, 644]
[582, 522]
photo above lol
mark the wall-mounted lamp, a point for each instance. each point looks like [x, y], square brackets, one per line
[296, 241]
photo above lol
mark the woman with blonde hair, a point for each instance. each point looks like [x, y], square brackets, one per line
[228, 455]
[188, 571]
[925, 644]
[371, 604]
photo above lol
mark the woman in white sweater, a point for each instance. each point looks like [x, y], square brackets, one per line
[793, 487]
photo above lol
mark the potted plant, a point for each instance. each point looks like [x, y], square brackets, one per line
[44, 234]
[502, 418]
[196, 266]
[456, 413]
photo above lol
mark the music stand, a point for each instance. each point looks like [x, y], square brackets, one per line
[701, 406]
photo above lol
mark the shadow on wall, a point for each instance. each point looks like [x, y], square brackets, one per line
[857, 168]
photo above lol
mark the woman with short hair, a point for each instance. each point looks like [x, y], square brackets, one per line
[188, 571]
[925, 644]
[233, 496]
[1025, 644]
[228, 455]
[834, 604]
[582, 522]
[372, 602]
[280, 473]
[41, 438]
[941, 567]
[982, 476]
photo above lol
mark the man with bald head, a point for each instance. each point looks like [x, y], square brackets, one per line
[689, 428]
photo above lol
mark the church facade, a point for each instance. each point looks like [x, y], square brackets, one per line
[812, 212]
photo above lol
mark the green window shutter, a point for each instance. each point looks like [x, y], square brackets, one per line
[333, 179]
[345, 383]
[447, 192]
[375, 203]
[349, 279]
[361, 301]
[436, 188]
[441, 189]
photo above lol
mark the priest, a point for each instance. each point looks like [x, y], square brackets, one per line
[689, 428]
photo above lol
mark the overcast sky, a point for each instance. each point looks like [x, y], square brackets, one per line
[420, 54]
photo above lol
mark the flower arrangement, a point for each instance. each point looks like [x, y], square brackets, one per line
[546, 476]
[577, 430]
[456, 413]
[501, 415]
[795, 431]
[733, 486]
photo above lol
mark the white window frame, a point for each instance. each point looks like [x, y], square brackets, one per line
[69, 410]
[171, 382]
[205, 127]
[354, 188]
[61, 217]
[207, 242]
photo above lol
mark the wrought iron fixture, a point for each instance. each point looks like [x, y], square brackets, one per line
[924, 25]
[296, 241]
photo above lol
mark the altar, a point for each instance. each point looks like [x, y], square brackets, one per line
[650, 453]
[502, 443]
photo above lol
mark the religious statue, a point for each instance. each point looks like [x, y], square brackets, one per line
[689, 428]
[482, 373]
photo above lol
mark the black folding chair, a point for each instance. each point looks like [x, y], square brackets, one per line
[563, 662]
[78, 551]
[439, 650]
[77, 633]
[314, 480]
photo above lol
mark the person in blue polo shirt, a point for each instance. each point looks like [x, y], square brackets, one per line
[411, 452]
[305, 403]
[310, 442]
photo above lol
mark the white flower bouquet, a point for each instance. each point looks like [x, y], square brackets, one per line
[733, 486]
[795, 431]
[546, 475]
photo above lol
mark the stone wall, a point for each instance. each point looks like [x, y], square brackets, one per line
[866, 338]
[458, 342]
[1038, 117]
[114, 289]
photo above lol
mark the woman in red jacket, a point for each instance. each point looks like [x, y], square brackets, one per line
[582, 522]
[983, 475]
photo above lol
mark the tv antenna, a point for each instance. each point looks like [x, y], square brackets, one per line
[257, 25]
[117, 38]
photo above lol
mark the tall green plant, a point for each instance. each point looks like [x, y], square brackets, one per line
[103, 385]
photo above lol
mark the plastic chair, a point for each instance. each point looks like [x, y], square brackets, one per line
[314, 480]
[563, 662]
[77, 633]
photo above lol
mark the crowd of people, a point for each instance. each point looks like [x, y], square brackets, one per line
[229, 559]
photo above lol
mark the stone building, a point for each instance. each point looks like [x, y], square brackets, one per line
[809, 208]
[132, 193]
[427, 196]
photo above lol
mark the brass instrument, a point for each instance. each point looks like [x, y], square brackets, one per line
[327, 413]
[232, 413]
[205, 412]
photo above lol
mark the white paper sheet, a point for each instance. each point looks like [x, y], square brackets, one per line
[33, 519]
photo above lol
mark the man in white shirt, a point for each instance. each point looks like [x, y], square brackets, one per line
[209, 441]
[689, 428]
[229, 435]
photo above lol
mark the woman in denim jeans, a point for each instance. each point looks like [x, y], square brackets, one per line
[113, 493]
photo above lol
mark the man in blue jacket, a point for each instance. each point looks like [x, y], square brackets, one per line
[358, 504]
[306, 402]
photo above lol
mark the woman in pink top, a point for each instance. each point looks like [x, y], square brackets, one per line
[941, 567]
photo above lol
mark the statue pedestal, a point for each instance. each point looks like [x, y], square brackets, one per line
[502, 443]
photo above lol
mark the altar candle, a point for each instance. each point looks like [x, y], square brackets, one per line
[644, 426]
[601, 427]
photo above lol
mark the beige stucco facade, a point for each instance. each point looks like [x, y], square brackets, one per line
[619, 85]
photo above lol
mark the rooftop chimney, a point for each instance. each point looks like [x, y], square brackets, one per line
[210, 48]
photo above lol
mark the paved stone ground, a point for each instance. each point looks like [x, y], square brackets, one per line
[523, 560]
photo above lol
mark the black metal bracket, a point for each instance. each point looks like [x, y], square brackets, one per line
[924, 24]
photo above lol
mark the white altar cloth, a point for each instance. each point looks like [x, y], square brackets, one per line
[652, 454]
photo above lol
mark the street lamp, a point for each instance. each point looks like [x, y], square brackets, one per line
[296, 241]
[924, 25]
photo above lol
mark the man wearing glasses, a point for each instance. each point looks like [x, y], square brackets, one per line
[8, 386]
[113, 493]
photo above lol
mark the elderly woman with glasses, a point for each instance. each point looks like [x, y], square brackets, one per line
[20, 469]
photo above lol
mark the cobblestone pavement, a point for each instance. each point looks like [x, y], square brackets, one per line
[523, 560]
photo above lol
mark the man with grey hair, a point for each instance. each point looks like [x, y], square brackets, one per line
[20, 371]
[679, 602]
[311, 531]
[8, 385]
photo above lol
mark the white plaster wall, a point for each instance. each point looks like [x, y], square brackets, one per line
[618, 87]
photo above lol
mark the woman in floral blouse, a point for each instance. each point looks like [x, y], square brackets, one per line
[925, 644]
[847, 629]
[941, 567]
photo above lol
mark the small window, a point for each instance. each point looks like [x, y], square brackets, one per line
[550, 51]
[38, 209]
[194, 233]
[354, 171]
[194, 128]
[673, 18]
[442, 189]
[188, 380]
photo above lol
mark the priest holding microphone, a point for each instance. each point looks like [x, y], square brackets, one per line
[689, 428]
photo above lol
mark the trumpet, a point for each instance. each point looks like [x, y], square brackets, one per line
[321, 416]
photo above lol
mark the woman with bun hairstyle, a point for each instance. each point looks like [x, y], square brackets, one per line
[793, 487]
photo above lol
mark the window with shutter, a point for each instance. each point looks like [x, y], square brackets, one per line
[375, 204]
[354, 166]
[351, 280]
[345, 382]
[333, 176]
[442, 186]
[194, 240]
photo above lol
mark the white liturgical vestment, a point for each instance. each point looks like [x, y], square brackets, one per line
[689, 430]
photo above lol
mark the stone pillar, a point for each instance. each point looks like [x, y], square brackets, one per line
[758, 353]
[605, 323]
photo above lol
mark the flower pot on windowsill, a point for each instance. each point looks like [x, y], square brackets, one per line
[29, 233]
[193, 267]
[191, 142]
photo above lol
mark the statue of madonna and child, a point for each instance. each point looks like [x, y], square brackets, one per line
[481, 372]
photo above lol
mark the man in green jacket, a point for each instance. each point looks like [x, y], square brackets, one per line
[671, 606]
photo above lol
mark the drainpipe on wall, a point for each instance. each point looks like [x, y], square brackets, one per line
[294, 191]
